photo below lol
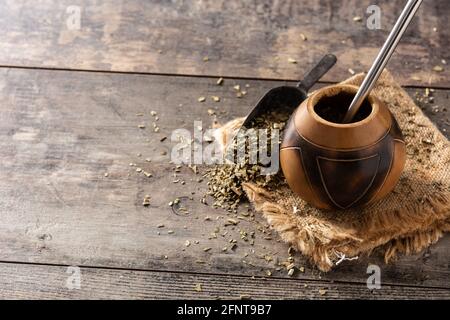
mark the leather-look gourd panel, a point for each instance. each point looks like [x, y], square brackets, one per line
[335, 174]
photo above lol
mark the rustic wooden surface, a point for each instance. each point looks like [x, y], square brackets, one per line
[24, 281]
[240, 38]
[62, 130]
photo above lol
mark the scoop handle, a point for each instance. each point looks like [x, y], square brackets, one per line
[383, 57]
[317, 72]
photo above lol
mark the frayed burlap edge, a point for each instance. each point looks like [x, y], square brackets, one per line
[344, 242]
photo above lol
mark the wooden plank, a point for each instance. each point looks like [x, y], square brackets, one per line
[240, 38]
[62, 131]
[24, 281]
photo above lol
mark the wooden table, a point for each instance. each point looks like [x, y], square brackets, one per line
[70, 102]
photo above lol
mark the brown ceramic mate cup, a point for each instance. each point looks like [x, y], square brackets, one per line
[338, 166]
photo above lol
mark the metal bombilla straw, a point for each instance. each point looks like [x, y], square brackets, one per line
[383, 57]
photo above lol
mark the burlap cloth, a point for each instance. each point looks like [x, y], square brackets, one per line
[413, 216]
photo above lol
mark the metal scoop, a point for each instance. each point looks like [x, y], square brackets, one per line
[383, 57]
[290, 97]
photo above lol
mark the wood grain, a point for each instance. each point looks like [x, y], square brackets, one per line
[241, 38]
[22, 281]
[62, 131]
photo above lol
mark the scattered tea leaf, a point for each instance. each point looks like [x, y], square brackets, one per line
[198, 287]
[322, 292]
[146, 201]
[147, 174]
[290, 266]
[233, 221]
